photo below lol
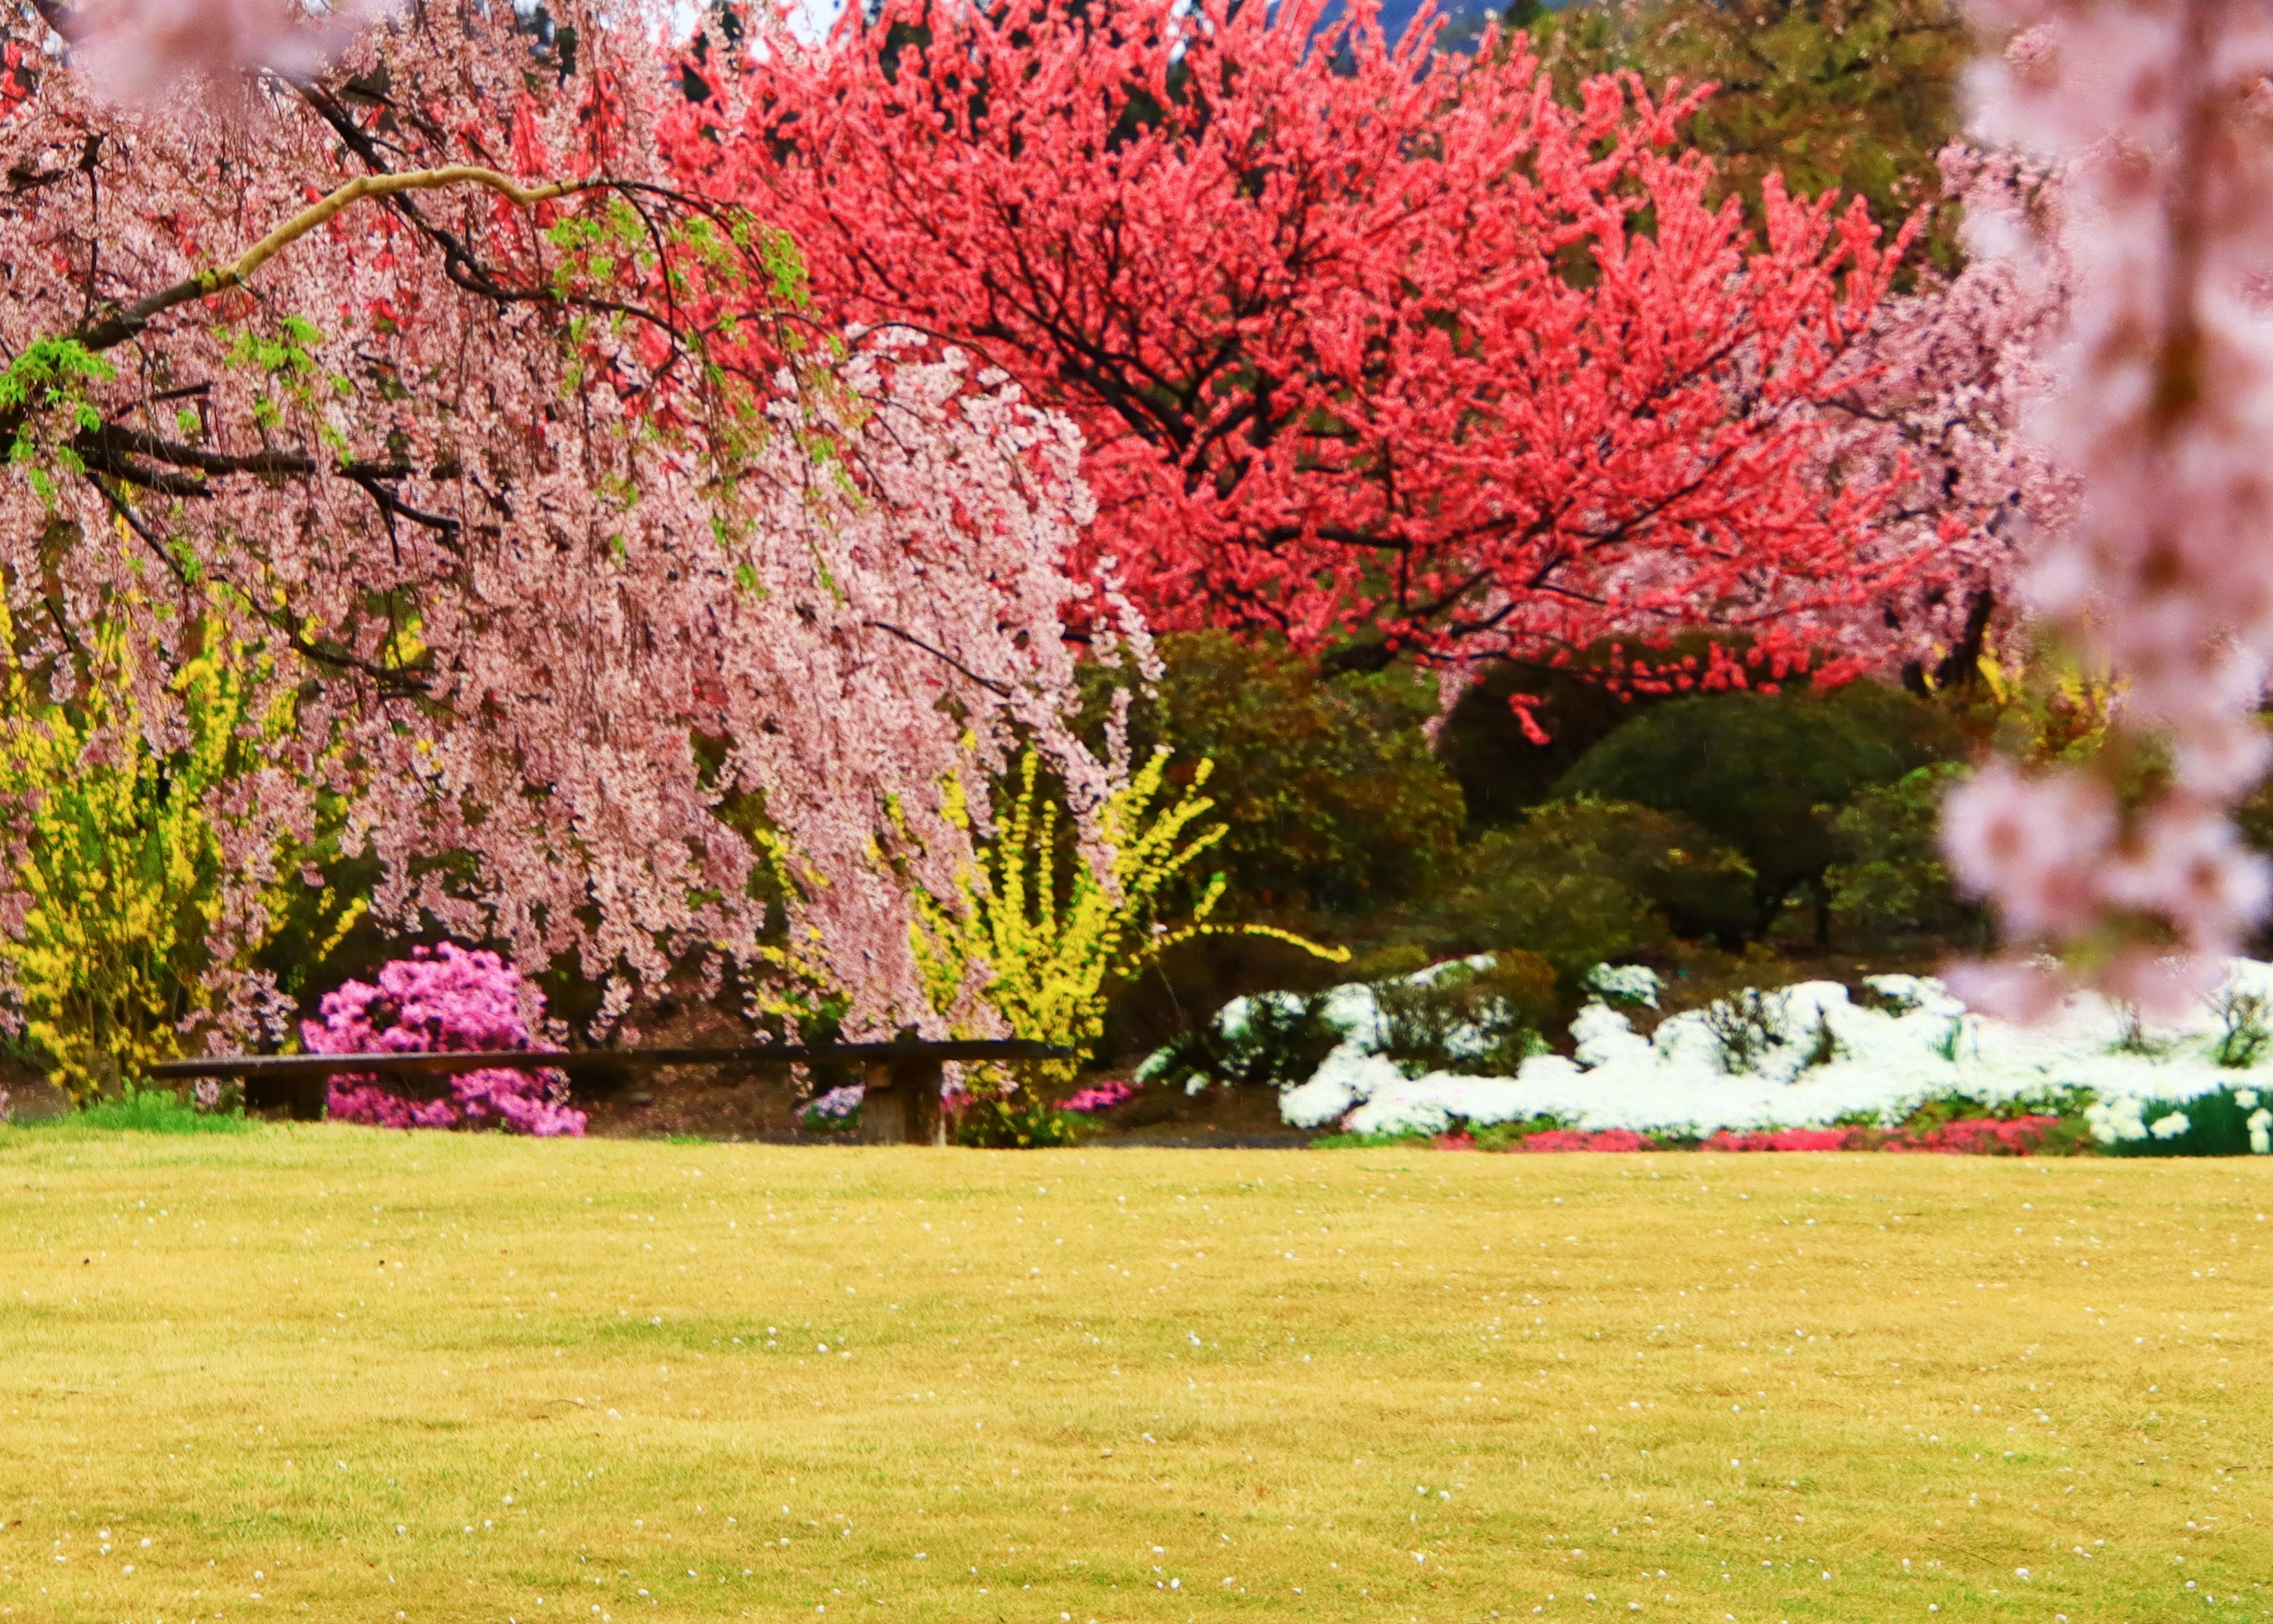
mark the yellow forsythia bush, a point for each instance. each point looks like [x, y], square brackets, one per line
[1048, 960]
[129, 934]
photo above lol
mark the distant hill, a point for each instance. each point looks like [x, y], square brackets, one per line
[1463, 20]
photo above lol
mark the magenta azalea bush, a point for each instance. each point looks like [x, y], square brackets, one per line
[440, 1001]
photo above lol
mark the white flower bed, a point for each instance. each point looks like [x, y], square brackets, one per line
[1883, 1062]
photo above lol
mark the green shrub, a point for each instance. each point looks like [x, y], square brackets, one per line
[1271, 1040]
[1918, 732]
[1700, 887]
[1584, 882]
[1763, 774]
[1892, 876]
[1013, 1120]
[1512, 893]
[1340, 804]
[1501, 771]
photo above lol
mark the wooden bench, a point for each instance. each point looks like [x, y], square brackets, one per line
[901, 1106]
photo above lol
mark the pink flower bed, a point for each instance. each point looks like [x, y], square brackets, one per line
[1983, 1137]
[437, 1002]
[1784, 1139]
[1103, 1098]
[1555, 1139]
[1975, 1136]
[1979, 1137]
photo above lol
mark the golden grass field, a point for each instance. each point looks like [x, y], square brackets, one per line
[332, 1373]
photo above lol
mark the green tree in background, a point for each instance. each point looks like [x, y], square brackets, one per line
[1764, 775]
[1332, 800]
[1856, 95]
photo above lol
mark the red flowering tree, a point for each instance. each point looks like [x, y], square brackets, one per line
[1369, 346]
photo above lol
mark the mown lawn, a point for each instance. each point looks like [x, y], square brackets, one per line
[334, 1373]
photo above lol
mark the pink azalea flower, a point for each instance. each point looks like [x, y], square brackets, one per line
[442, 1000]
[1102, 1097]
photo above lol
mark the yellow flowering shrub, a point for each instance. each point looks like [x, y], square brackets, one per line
[130, 930]
[1048, 951]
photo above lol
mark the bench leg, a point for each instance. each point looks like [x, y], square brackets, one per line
[927, 1113]
[901, 1104]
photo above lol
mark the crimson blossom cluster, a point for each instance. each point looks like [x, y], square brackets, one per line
[1377, 348]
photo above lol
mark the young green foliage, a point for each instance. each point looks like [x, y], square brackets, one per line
[48, 381]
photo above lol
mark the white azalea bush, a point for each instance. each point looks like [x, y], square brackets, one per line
[1808, 1055]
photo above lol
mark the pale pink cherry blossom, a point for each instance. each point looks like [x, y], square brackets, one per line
[2187, 861]
[2044, 842]
[2018, 989]
[608, 666]
[2159, 985]
[1931, 411]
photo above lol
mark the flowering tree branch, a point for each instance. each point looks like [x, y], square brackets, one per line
[115, 329]
[1374, 348]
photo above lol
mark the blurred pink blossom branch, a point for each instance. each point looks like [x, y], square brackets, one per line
[144, 50]
[2157, 114]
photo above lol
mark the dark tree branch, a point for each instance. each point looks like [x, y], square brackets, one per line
[909, 637]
